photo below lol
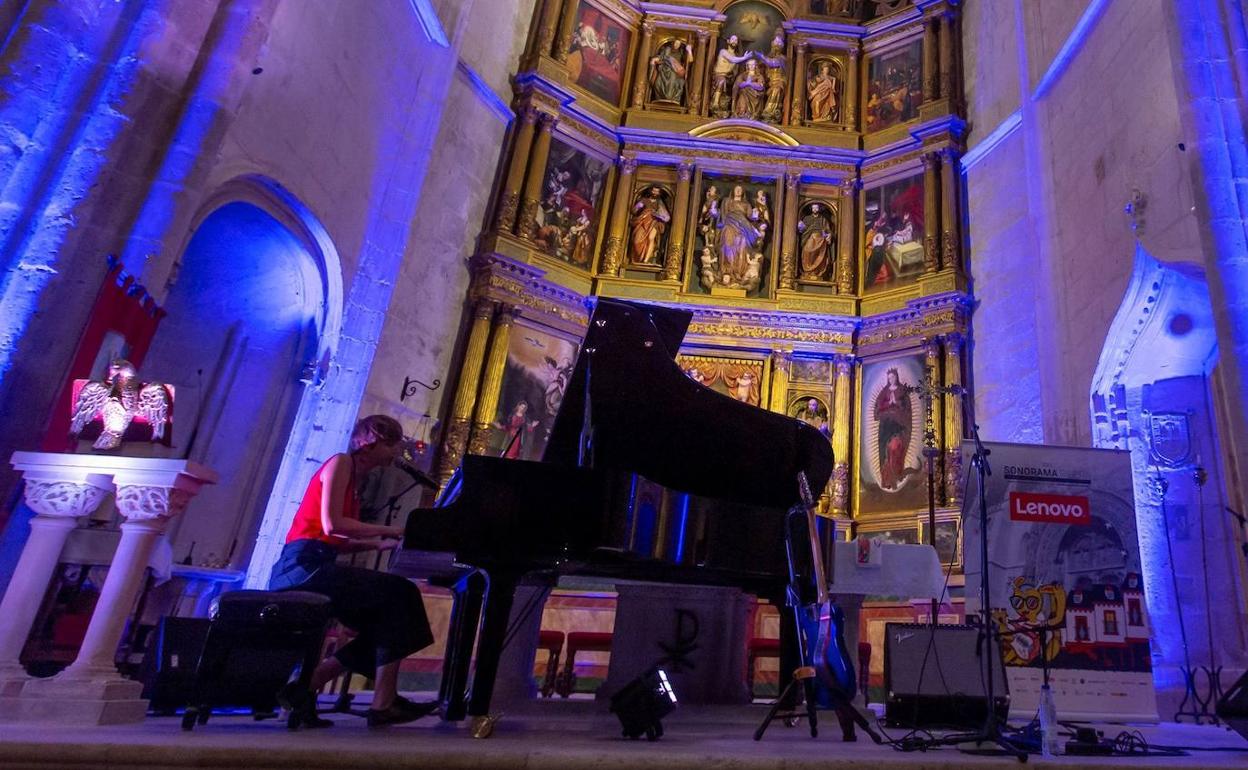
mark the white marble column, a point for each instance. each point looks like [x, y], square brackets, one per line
[91, 690]
[59, 503]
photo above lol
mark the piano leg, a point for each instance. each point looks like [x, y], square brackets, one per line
[465, 617]
[498, 603]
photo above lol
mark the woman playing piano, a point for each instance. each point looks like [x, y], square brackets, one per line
[385, 611]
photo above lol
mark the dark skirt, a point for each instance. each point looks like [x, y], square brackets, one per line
[385, 611]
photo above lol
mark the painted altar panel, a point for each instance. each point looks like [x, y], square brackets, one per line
[754, 23]
[739, 378]
[894, 87]
[539, 364]
[570, 208]
[890, 430]
[598, 53]
[893, 221]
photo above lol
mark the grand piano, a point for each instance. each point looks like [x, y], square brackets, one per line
[630, 420]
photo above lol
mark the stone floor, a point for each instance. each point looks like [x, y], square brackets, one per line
[552, 734]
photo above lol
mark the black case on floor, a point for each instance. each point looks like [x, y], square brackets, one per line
[254, 642]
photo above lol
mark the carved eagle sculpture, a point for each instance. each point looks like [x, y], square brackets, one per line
[117, 401]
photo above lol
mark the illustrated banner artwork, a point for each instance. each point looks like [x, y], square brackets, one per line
[1064, 555]
[538, 367]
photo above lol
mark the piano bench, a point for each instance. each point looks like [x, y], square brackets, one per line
[759, 647]
[580, 641]
[551, 641]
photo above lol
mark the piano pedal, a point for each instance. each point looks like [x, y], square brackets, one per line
[483, 726]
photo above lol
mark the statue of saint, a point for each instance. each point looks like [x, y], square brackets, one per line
[747, 92]
[821, 94]
[740, 237]
[774, 61]
[668, 71]
[815, 233]
[708, 220]
[648, 223]
[723, 74]
[815, 415]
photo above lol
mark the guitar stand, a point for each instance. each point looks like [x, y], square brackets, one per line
[803, 676]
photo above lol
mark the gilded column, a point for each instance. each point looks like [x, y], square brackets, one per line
[613, 254]
[699, 72]
[788, 238]
[533, 180]
[950, 180]
[946, 54]
[567, 26]
[931, 225]
[845, 239]
[851, 92]
[841, 418]
[930, 45]
[953, 419]
[680, 217]
[549, 25]
[491, 380]
[798, 114]
[466, 391]
[640, 81]
[781, 363]
[510, 201]
[932, 414]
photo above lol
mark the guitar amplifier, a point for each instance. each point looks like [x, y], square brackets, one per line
[951, 692]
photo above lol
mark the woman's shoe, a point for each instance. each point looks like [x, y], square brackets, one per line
[301, 704]
[423, 709]
[394, 715]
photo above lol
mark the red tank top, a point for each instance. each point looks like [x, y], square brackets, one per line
[307, 523]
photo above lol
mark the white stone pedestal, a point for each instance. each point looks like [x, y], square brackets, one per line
[149, 492]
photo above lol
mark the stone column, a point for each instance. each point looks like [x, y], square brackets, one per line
[781, 362]
[91, 690]
[58, 504]
[931, 225]
[520, 149]
[613, 253]
[698, 82]
[930, 74]
[950, 181]
[492, 380]
[533, 180]
[640, 81]
[567, 26]
[680, 219]
[798, 115]
[845, 220]
[851, 96]
[788, 236]
[841, 421]
[466, 391]
[947, 33]
[953, 420]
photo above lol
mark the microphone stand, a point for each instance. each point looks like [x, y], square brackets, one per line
[392, 507]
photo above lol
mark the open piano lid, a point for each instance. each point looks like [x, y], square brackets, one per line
[650, 418]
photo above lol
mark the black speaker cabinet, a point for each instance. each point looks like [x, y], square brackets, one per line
[1233, 707]
[168, 668]
[951, 692]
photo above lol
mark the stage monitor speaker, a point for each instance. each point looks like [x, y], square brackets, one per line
[951, 692]
[168, 668]
[1233, 706]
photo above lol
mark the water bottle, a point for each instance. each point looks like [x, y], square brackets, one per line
[1049, 745]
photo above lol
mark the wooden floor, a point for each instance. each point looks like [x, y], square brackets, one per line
[558, 734]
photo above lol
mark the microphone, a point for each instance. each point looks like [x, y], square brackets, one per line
[417, 475]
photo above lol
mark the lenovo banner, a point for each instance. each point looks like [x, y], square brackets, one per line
[1064, 577]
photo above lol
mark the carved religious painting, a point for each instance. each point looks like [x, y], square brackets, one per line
[816, 236]
[741, 379]
[892, 243]
[598, 53]
[812, 410]
[894, 87]
[824, 90]
[748, 74]
[890, 477]
[539, 364]
[668, 71]
[649, 223]
[733, 237]
[567, 215]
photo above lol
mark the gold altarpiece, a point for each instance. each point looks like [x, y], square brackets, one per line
[788, 171]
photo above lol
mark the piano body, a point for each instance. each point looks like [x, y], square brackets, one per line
[729, 469]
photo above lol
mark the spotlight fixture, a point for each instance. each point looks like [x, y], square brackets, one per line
[641, 703]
